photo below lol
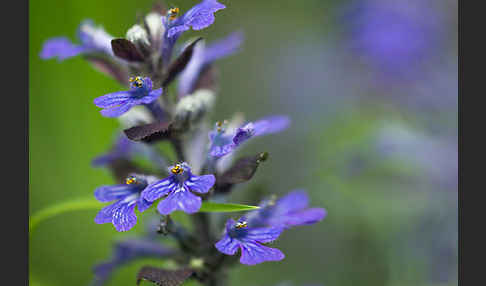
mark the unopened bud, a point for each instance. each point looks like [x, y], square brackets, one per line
[154, 26]
[193, 107]
[138, 35]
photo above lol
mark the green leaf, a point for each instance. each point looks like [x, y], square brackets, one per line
[75, 205]
[91, 203]
[210, 207]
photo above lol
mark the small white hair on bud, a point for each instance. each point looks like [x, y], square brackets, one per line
[193, 107]
[154, 25]
[137, 34]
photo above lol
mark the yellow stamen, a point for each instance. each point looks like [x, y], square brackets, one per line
[241, 224]
[130, 180]
[136, 81]
[176, 169]
[172, 13]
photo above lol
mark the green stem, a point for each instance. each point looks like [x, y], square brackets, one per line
[52, 211]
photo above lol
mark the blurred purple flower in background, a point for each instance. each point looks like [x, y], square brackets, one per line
[396, 38]
[203, 56]
[129, 250]
[222, 143]
[125, 252]
[436, 157]
[92, 38]
[288, 211]
[123, 148]
[126, 149]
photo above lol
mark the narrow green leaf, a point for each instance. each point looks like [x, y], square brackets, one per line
[211, 207]
[75, 205]
[91, 203]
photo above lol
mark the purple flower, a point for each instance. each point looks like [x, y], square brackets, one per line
[122, 149]
[179, 188]
[290, 210]
[394, 37]
[202, 56]
[117, 103]
[222, 143]
[127, 196]
[198, 17]
[249, 239]
[92, 38]
[125, 252]
[125, 148]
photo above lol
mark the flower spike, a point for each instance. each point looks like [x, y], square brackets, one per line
[288, 211]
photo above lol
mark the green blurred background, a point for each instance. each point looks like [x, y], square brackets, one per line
[378, 152]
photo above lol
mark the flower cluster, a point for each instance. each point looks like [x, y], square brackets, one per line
[266, 225]
[200, 170]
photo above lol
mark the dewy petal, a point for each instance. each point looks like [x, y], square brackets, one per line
[111, 193]
[243, 133]
[105, 215]
[147, 84]
[143, 204]
[254, 253]
[198, 17]
[116, 111]
[271, 124]
[167, 46]
[60, 47]
[124, 217]
[153, 95]
[113, 99]
[200, 184]
[227, 245]
[263, 235]
[176, 30]
[121, 214]
[229, 224]
[219, 151]
[181, 199]
[159, 189]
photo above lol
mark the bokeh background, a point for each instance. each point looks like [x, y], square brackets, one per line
[371, 87]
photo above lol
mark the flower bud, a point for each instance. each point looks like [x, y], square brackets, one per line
[138, 115]
[138, 35]
[154, 26]
[193, 107]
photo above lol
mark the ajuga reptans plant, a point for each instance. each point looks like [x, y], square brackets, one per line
[196, 180]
